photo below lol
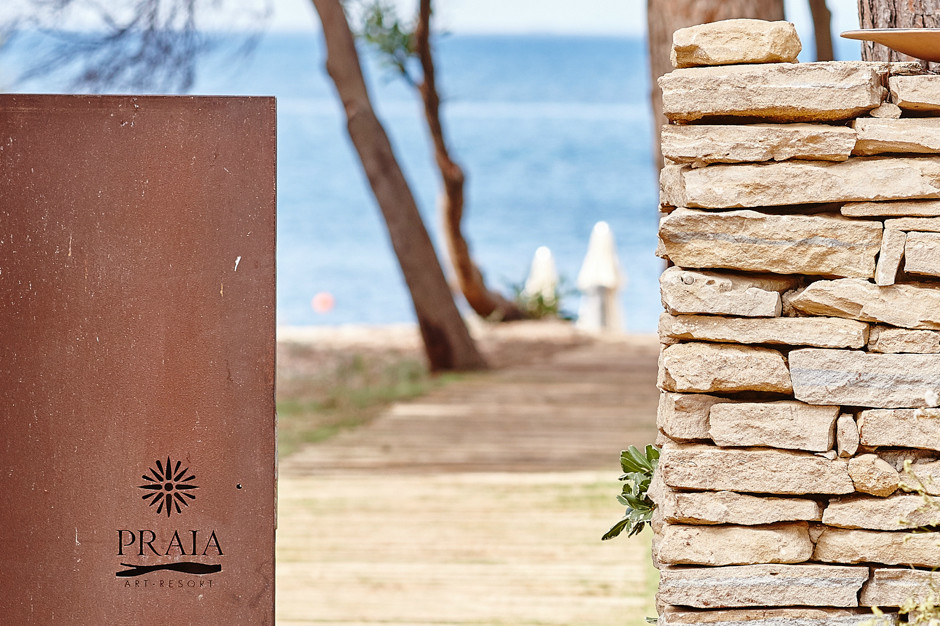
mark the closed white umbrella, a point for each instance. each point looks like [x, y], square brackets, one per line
[598, 281]
[543, 278]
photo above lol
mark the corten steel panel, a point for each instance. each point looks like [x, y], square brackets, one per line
[137, 322]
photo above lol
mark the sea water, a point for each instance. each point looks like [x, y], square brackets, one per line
[554, 134]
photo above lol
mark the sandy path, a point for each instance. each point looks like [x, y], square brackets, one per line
[480, 503]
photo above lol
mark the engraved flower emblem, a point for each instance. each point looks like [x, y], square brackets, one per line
[168, 486]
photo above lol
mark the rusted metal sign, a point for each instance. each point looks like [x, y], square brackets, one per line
[137, 451]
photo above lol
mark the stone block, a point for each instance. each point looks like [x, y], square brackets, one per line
[702, 144]
[780, 244]
[873, 475]
[684, 416]
[887, 69]
[822, 332]
[906, 428]
[889, 259]
[718, 293]
[777, 617]
[728, 507]
[839, 545]
[921, 476]
[897, 512]
[855, 378]
[762, 585]
[785, 424]
[915, 93]
[800, 182]
[898, 457]
[899, 340]
[704, 467]
[904, 305]
[780, 92]
[926, 224]
[735, 545]
[900, 136]
[708, 367]
[894, 587]
[901, 208]
[846, 436]
[735, 41]
[922, 254]
[887, 110]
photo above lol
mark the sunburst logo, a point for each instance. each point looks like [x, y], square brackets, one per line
[168, 487]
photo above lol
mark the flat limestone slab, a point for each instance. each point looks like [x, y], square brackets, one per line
[781, 244]
[787, 424]
[762, 585]
[901, 208]
[924, 475]
[704, 467]
[779, 92]
[720, 293]
[709, 367]
[908, 428]
[915, 93]
[922, 254]
[734, 545]
[684, 416]
[927, 224]
[905, 305]
[702, 144]
[855, 378]
[889, 259]
[777, 617]
[800, 182]
[728, 507]
[908, 135]
[897, 340]
[894, 587]
[898, 512]
[735, 41]
[821, 332]
[838, 545]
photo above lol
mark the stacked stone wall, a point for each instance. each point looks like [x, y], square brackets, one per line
[800, 368]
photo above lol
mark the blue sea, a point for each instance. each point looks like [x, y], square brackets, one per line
[553, 132]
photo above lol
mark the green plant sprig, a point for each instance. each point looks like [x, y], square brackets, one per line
[638, 468]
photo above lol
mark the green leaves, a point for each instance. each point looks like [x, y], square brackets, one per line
[383, 30]
[632, 460]
[638, 468]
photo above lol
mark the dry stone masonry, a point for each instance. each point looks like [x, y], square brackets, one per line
[800, 368]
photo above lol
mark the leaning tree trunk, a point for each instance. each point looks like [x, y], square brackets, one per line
[896, 14]
[666, 16]
[487, 304]
[446, 340]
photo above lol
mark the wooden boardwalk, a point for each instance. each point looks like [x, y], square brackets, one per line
[480, 503]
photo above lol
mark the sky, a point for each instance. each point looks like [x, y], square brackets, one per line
[581, 17]
[587, 17]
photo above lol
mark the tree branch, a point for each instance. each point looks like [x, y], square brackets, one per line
[447, 342]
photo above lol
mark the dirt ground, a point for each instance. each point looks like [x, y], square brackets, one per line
[482, 502]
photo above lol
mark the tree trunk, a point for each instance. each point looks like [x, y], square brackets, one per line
[822, 29]
[896, 14]
[446, 340]
[666, 16]
[487, 304]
